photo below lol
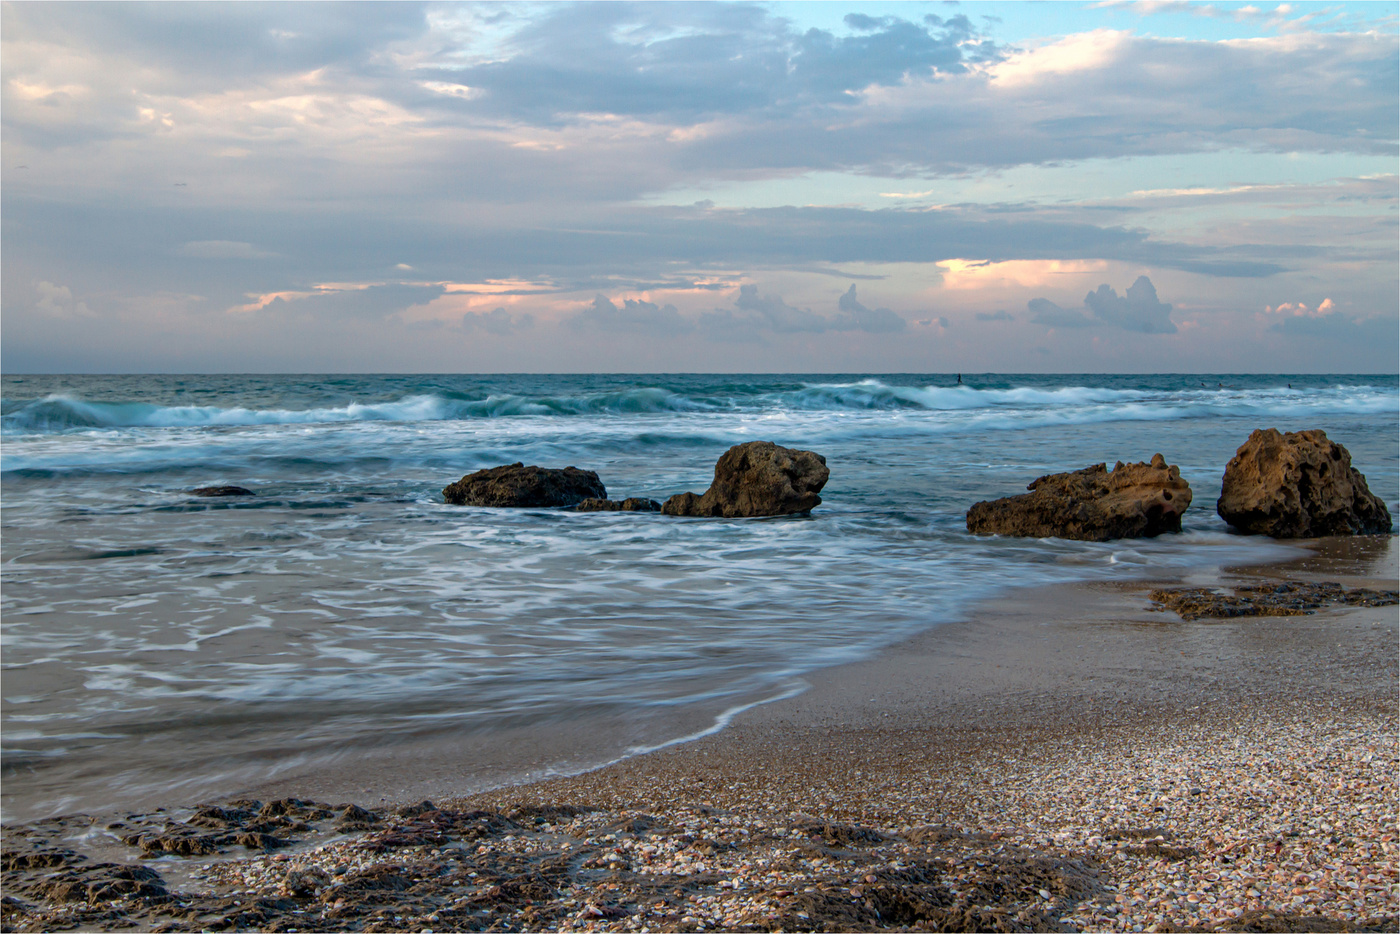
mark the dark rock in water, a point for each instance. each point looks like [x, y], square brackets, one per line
[759, 478]
[1298, 485]
[1094, 504]
[518, 485]
[221, 491]
[630, 504]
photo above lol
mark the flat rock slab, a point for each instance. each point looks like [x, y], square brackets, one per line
[1093, 504]
[630, 504]
[759, 478]
[1298, 485]
[1290, 598]
[518, 485]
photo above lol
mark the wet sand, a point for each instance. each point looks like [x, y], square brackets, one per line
[1067, 759]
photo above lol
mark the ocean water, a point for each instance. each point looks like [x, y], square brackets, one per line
[158, 646]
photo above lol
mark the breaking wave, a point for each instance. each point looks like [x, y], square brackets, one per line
[63, 412]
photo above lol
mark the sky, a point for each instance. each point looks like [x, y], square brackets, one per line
[1152, 186]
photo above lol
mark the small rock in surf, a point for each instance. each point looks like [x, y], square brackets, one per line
[518, 485]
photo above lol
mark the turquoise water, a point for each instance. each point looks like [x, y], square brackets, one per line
[153, 640]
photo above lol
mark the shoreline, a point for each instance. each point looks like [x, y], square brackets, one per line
[1016, 733]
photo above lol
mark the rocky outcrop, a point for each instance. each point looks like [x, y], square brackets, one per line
[630, 504]
[518, 485]
[1298, 485]
[221, 491]
[759, 478]
[1093, 505]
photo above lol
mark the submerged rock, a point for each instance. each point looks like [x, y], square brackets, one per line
[1093, 504]
[518, 485]
[1298, 485]
[759, 478]
[221, 491]
[630, 504]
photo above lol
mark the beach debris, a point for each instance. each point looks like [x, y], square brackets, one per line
[630, 504]
[1286, 598]
[758, 478]
[1298, 485]
[221, 491]
[518, 485]
[1094, 504]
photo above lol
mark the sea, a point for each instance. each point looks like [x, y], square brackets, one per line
[162, 647]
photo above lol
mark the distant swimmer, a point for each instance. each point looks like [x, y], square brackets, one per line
[959, 379]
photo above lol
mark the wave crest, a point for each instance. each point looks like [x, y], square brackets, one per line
[63, 413]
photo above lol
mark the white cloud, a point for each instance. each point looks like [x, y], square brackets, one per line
[56, 301]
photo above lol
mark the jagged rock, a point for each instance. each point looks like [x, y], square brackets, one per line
[1298, 485]
[518, 485]
[354, 817]
[1093, 504]
[221, 491]
[630, 504]
[759, 478]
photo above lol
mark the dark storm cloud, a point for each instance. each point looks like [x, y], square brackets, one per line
[1137, 310]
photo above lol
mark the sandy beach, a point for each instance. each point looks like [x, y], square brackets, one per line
[1069, 758]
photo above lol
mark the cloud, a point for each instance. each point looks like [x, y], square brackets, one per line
[855, 316]
[1296, 319]
[1137, 310]
[998, 315]
[752, 316]
[770, 312]
[776, 314]
[1043, 311]
[497, 321]
[56, 301]
[333, 302]
[222, 249]
[639, 317]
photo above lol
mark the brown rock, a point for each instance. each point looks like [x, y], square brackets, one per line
[1298, 485]
[759, 478]
[1093, 504]
[630, 504]
[518, 485]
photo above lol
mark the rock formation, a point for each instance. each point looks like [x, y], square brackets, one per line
[759, 478]
[1298, 485]
[630, 504]
[518, 485]
[1093, 504]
